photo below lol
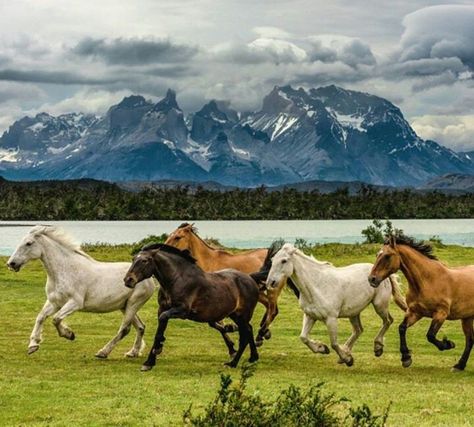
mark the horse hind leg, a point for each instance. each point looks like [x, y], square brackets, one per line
[467, 328]
[244, 338]
[381, 306]
[139, 343]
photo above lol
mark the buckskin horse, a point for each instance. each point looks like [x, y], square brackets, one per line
[210, 259]
[434, 290]
[190, 293]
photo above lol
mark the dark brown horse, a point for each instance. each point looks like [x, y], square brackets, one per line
[210, 259]
[188, 292]
[434, 291]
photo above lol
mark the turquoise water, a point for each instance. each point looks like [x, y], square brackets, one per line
[242, 234]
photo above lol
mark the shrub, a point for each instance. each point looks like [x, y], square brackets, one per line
[376, 232]
[235, 407]
[136, 247]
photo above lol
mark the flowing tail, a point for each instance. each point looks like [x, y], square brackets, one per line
[261, 276]
[396, 293]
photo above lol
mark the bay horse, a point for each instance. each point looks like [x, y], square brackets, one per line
[328, 293]
[434, 290]
[210, 259]
[77, 282]
[190, 293]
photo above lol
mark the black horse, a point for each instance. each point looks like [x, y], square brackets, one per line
[188, 292]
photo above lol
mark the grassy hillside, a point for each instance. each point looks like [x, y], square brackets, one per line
[63, 384]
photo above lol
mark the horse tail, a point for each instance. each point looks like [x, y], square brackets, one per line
[261, 276]
[396, 293]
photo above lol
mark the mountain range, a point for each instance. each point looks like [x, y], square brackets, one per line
[326, 134]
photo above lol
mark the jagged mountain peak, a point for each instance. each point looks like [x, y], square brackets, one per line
[168, 102]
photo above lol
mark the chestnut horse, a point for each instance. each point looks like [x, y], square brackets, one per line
[210, 259]
[434, 291]
[188, 292]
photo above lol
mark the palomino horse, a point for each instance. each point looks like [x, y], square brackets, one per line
[191, 293]
[328, 293]
[210, 259]
[77, 282]
[434, 291]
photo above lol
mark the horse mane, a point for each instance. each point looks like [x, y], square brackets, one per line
[422, 247]
[170, 249]
[60, 236]
[191, 226]
[313, 259]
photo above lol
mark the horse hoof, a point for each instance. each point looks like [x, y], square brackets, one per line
[349, 362]
[267, 334]
[33, 349]
[259, 342]
[230, 364]
[378, 352]
[449, 344]
[146, 368]
[71, 336]
[101, 355]
[253, 359]
[326, 349]
[131, 354]
[406, 363]
[457, 368]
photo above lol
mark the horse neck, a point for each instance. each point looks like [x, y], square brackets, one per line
[57, 260]
[204, 254]
[304, 283]
[169, 270]
[416, 267]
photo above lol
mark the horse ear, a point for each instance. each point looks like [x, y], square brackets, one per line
[393, 241]
[292, 250]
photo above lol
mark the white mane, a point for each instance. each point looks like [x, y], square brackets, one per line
[59, 236]
[290, 249]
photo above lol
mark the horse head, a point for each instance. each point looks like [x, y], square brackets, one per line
[142, 268]
[181, 238]
[387, 262]
[29, 248]
[282, 265]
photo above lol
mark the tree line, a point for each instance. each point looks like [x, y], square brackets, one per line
[95, 200]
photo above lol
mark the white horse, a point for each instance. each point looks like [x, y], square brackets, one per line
[77, 282]
[328, 292]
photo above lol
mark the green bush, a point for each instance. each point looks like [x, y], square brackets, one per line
[147, 240]
[376, 233]
[235, 407]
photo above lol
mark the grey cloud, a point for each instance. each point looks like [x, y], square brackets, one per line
[134, 51]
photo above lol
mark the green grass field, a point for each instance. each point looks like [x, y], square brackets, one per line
[63, 384]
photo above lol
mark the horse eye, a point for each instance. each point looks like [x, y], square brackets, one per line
[29, 243]
[283, 262]
[177, 238]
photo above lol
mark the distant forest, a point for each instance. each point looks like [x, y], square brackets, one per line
[95, 200]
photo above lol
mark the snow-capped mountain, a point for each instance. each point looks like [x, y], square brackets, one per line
[327, 133]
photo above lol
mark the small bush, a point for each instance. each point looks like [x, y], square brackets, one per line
[376, 233]
[136, 247]
[235, 407]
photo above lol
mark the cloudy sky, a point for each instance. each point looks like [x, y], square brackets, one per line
[82, 55]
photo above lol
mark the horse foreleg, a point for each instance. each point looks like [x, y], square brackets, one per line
[314, 346]
[228, 342]
[410, 319]
[467, 328]
[163, 317]
[244, 332]
[139, 343]
[35, 337]
[331, 324]
[269, 300]
[438, 319]
[66, 310]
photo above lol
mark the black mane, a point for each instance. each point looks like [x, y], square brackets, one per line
[422, 247]
[170, 249]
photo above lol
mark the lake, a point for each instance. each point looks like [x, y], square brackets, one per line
[243, 234]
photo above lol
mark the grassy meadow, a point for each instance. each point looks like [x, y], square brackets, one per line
[64, 384]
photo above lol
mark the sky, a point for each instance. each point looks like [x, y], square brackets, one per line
[80, 55]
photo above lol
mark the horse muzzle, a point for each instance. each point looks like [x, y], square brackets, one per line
[130, 281]
[374, 281]
[271, 284]
[14, 266]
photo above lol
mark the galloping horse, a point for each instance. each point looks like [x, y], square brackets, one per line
[328, 293]
[191, 293]
[434, 291]
[77, 282]
[210, 259]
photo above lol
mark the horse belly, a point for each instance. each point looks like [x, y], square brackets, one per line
[103, 301]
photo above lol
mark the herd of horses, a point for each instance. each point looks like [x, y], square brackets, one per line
[208, 285]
